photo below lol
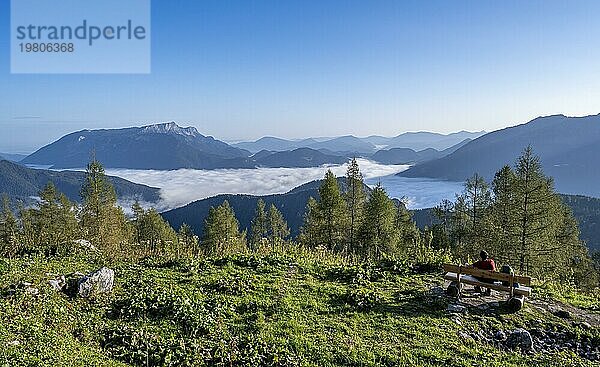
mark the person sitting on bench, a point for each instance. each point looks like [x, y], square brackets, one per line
[485, 264]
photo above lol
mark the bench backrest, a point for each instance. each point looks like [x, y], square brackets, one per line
[468, 270]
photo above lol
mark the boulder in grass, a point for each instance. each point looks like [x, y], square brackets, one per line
[98, 282]
[521, 339]
[58, 283]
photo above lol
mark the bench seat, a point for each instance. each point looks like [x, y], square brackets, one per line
[468, 279]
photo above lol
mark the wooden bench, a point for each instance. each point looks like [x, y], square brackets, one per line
[458, 275]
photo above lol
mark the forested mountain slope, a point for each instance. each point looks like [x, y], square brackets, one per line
[567, 146]
[22, 183]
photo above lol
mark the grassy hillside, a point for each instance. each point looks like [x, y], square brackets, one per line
[273, 310]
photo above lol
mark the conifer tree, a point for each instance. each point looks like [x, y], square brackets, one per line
[102, 220]
[187, 238]
[536, 207]
[259, 226]
[55, 220]
[408, 231]
[152, 230]
[333, 212]
[379, 232]
[309, 232]
[501, 224]
[27, 236]
[441, 231]
[477, 198]
[278, 227]
[459, 224]
[221, 232]
[355, 200]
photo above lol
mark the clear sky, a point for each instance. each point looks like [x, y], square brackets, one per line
[245, 69]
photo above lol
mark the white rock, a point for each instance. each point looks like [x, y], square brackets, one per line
[100, 281]
[59, 283]
[456, 308]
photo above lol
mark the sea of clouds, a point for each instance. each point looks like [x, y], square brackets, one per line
[180, 187]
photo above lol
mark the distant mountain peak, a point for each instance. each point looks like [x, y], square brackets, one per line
[172, 128]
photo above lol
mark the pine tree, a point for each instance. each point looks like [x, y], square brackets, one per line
[333, 212]
[259, 226]
[379, 232]
[355, 200]
[278, 227]
[102, 220]
[221, 232]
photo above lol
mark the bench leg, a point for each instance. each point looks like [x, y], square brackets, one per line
[515, 303]
[454, 289]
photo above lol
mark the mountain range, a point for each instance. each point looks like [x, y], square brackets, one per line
[13, 157]
[410, 156]
[168, 146]
[22, 183]
[161, 146]
[365, 146]
[567, 147]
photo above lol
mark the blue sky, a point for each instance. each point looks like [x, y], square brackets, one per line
[245, 69]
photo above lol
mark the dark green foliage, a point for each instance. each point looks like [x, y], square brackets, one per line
[363, 298]
[326, 219]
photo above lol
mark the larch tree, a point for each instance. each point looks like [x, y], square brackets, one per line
[278, 227]
[259, 229]
[502, 220]
[333, 212]
[355, 200]
[309, 231]
[102, 220]
[477, 198]
[379, 232]
[152, 230]
[222, 232]
[55, 220]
